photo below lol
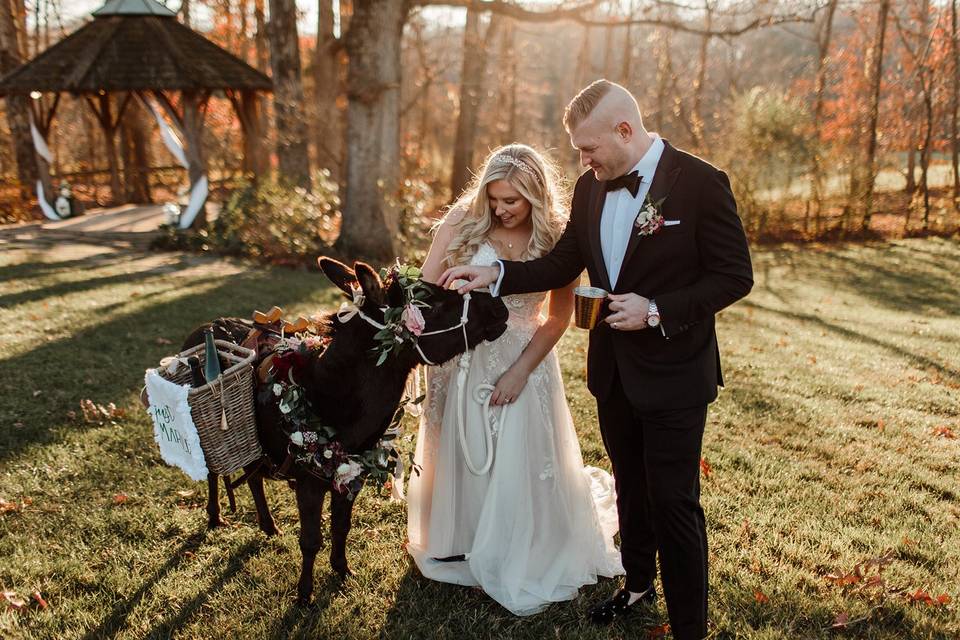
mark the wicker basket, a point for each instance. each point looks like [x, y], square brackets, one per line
[225, 450]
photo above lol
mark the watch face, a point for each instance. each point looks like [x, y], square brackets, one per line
[653, 320]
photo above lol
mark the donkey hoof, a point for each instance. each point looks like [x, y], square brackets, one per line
[213, 523]
[304, 600]
[343, 572]
[271, 530]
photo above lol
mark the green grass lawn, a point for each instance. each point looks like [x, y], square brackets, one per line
[829, 447]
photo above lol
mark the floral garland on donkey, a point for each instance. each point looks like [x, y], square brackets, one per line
[314, 444]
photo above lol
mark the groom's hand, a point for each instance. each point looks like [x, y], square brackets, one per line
[476, 277]
[628, 311]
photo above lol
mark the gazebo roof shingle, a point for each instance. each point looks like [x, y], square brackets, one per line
[128, 52]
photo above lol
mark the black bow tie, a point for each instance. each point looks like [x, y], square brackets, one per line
[630, 182]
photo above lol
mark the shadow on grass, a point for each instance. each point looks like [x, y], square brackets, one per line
[906, 278]
[855, 336]
[64, 288]
[168, 627]
[106, 362]
[117, 617]
[41, 263]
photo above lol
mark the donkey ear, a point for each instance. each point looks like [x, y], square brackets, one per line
[395, 297]
[338, 273]
[370, 283]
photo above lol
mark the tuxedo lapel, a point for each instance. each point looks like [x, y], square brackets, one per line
[595, 212]
[663, 179]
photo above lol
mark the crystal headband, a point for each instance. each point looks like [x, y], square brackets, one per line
[519, 164]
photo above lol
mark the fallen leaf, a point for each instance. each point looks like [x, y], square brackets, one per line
[908, 541]
[185, 494]
[39, 598]
[812, 359]
[705, 467]
[944, 432]
[37, 392]
[943, 599]
[920, 596]
[163, 342]
[13, 600]
[760, 597]
[120, 498]
[841, 621]
[658, 632]
[8, 507]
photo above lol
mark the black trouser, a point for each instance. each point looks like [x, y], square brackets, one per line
[656, 468]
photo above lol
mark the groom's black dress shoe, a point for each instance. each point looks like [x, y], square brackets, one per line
[617, 607]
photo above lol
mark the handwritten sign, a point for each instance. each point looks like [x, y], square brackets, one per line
[173, 427]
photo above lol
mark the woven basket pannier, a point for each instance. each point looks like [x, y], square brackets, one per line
[225, 450]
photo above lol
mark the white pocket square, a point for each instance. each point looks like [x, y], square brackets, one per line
[670, 223]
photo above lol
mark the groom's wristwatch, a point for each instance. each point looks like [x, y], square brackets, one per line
[653, 315]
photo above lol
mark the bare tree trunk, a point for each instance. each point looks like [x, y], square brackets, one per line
[135, 154]
[626, 66]
[955, 105]
[292, 151]
[18, 107]
[875, 69]
[326, 83]
[696, 112]
[664, 71]
[823, 51]
[911, 185]
[373, 129]
[508, 89]
[471, 95]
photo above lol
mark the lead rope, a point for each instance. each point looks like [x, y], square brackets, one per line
[482, 393]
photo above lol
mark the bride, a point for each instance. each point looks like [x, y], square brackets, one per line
[502, 500]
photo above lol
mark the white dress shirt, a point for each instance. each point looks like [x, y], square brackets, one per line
[620, 209]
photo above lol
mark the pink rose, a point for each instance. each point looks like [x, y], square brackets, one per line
[413, 319]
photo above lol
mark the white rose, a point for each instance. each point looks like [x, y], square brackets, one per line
[296, 438]
[284, 407]
[343, 469]
[327, 454]
[277, 389]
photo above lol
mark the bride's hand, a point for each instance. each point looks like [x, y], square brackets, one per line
[508, 387]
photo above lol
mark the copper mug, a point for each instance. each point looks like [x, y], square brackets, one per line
[587, 306]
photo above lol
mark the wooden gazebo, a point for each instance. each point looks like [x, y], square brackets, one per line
[138, 48]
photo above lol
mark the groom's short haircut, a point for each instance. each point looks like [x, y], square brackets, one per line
[587, 100]
[584, 102]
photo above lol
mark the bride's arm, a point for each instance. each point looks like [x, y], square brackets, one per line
[514, 379]
[433, 266]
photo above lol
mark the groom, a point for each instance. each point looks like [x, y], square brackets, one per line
[658, 228]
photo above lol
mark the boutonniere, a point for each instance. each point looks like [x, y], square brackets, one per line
[650, 219]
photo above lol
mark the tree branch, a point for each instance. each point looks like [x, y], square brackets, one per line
[577, 13]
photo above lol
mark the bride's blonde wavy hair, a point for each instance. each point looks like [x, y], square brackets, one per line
[536, 178]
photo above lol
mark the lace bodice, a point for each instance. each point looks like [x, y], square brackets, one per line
[524, 308]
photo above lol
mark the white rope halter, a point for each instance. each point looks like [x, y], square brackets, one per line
[348, 310]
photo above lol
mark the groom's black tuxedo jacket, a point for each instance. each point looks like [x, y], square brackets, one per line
[692, 269]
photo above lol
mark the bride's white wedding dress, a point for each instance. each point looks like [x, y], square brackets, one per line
[539, 525]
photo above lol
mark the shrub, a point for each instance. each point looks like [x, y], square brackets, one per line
[278, 223]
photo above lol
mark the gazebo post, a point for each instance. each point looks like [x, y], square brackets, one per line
[246, 106]
[190, 124]
[109, 126]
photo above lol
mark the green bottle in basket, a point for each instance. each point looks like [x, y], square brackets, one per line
[211, 367]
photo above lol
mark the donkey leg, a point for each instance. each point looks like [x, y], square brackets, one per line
[213, 503]
[310, 508]
[341, 510]
[264, 517]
